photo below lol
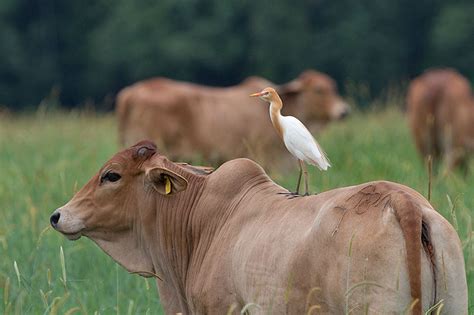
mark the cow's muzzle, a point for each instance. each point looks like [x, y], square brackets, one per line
[344, 114]
[63, 222]
[340, 110]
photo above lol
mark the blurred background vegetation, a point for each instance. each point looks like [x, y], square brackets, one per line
[83, 51]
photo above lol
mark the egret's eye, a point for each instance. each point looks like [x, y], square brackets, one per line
[110, 177]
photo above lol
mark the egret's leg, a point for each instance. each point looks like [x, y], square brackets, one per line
[297, 192]
[305, 171]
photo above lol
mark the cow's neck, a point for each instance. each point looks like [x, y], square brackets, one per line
[187, 223]
[127, 250]
[173, 244]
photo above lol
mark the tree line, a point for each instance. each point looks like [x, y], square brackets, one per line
[78, 51]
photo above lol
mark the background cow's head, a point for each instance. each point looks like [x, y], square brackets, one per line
[315, 95]
[115, 202]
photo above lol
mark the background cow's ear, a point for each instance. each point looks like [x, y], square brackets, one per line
[166, 182]
[291, 87]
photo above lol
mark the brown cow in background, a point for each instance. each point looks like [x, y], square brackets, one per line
[190, 120]
[441, 115]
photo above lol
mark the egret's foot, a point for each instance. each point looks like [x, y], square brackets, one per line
[294, 196]
[290, 194]
[306, 194]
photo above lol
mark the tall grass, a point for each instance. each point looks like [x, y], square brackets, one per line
[45, 158]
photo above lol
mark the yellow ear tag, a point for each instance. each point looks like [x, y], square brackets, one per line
[167, 185]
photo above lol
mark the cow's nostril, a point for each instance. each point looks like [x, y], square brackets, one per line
[55, 219]
[344, 114]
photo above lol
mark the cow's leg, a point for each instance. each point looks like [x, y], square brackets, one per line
[454, 153]
[450, 271]
[464, 166]
[168, 298]
[456, 158]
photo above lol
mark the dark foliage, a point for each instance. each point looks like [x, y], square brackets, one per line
[76, 51]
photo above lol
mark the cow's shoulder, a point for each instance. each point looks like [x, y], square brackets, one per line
[236, 169]
[234, 175]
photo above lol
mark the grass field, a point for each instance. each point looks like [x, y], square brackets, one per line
[45, 158]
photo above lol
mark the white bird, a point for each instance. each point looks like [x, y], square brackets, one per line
[297, 138]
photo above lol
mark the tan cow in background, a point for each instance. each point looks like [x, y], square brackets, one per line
[190, 120]
[226, 240]
[441, 115]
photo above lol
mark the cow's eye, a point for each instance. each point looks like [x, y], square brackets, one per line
[110, 177]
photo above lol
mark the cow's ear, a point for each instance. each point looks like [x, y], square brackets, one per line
[166, 182]
[291, 87]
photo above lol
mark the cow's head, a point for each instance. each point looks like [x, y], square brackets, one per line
[109, 207]
[315, 93]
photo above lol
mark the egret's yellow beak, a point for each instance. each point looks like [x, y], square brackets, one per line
[256, 94]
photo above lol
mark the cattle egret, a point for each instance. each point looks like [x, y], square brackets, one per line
[297, 138]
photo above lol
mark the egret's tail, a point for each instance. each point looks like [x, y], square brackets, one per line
[322, 162]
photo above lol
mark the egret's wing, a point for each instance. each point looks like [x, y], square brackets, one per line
[300, 142]
[298, 137]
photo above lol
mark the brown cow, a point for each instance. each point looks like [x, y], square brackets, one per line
[220, 123]
[441, 115]
[229, 240]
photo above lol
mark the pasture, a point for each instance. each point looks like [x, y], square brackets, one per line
[46, 156]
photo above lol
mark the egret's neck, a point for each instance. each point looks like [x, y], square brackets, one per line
[275, 116]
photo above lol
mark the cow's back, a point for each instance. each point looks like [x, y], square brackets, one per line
[188, 119]
[150, 110]
[333, 250]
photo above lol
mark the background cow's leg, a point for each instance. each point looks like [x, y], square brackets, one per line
[452, 160]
